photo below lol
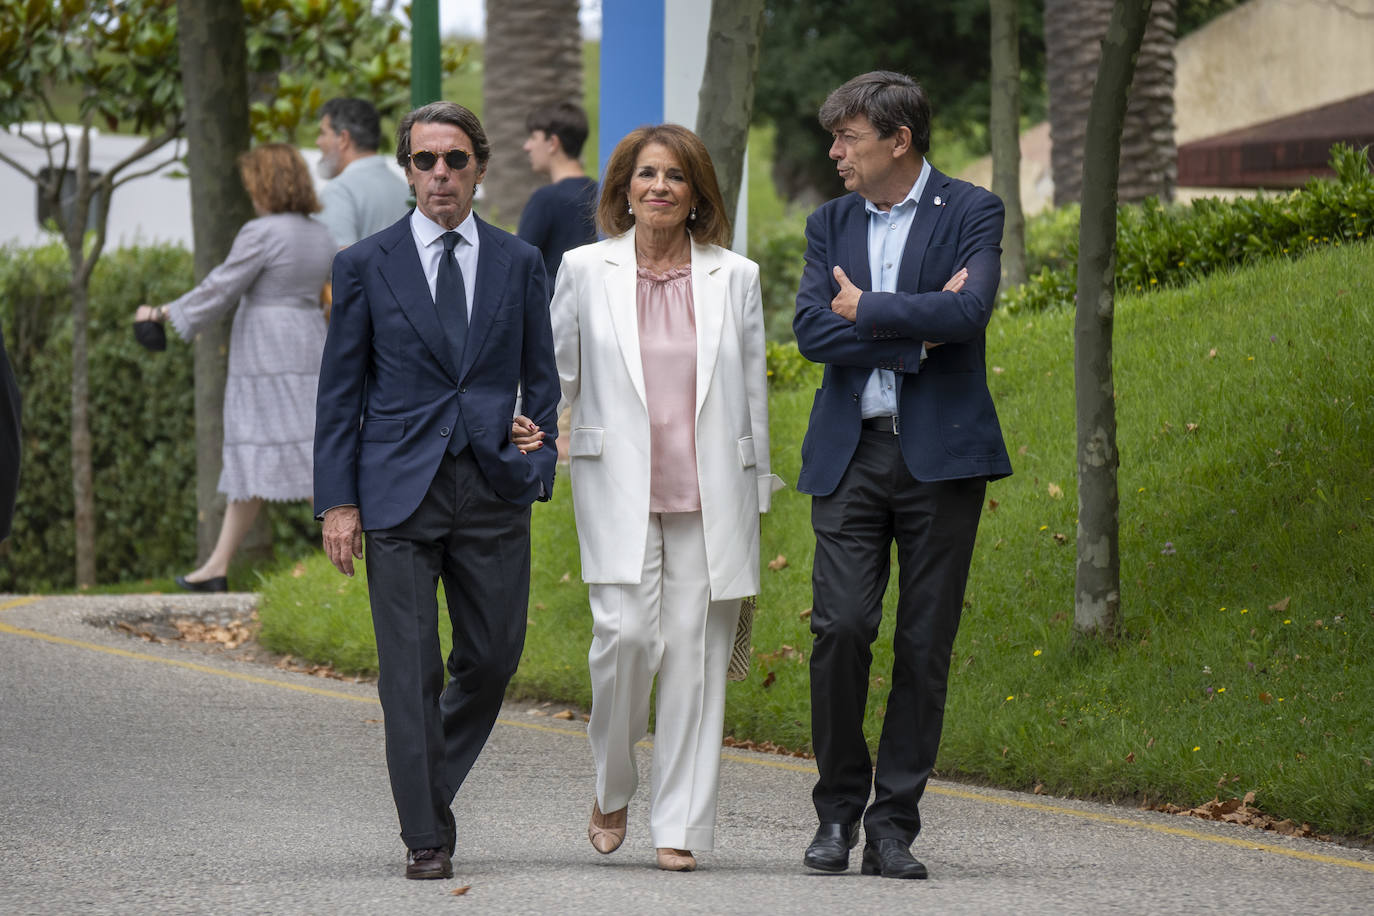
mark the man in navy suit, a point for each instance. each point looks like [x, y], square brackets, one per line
[438, 321]
[899, 283]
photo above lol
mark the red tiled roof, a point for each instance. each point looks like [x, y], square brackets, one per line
[1282, 153]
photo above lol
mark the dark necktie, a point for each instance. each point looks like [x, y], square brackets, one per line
[450, 296]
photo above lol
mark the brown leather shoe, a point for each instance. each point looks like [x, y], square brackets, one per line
[607, 831]
[422, 864]
[675, 859]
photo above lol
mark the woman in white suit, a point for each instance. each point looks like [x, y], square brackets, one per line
[659, 338]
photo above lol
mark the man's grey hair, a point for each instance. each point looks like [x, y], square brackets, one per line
[443, 113]
[358, 117]
[890, 100]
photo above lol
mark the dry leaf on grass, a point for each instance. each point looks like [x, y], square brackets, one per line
[780, 562]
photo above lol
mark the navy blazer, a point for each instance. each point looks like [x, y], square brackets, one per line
[389, 390]
[949, 427]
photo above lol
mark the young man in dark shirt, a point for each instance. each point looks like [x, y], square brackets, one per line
[562, 214]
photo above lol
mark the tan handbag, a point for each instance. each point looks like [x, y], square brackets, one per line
[744, 636]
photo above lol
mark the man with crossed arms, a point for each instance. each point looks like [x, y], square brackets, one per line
[897, 290]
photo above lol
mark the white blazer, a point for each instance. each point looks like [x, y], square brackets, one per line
[596, 339]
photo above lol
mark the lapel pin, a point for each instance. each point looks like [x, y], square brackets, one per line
[938, 202]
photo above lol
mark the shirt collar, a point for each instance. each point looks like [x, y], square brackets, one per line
[427, 231]
[912, 196]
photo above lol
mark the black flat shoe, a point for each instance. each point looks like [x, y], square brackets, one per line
[829, 849]
[217, 584]
[891, 858]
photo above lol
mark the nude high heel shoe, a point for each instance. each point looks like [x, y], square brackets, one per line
[607, 831]
[676, 859]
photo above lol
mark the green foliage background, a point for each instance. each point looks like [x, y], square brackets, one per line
[142, 425]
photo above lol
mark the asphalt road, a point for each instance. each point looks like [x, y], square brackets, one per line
[147, 778]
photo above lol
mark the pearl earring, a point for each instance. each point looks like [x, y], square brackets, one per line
[630, 209]
[693, 214]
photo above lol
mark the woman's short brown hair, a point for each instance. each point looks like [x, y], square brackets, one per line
[278, 179]
[711, 226]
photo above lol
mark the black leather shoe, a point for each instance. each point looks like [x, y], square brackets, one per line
[829, 849]
[422, 864]
[217, 584]
[891, 858]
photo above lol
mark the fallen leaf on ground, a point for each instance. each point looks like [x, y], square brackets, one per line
[1055, 491]
[1281, 605]
[805, 614]
[565, 715]
[780, 562]
[460, 891]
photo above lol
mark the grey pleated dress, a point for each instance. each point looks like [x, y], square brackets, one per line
[274, 274]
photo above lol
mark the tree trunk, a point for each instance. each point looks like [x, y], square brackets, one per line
[83, 486]
[1074, 33]
[1097, 587]
[1004, 132]
[211, 42]
[726, 102]
[533, 57]
[83, 482]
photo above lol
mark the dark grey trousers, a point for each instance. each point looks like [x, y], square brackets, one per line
[479, 545]
[934, 525]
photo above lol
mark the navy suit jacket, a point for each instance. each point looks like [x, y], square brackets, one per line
[390, 392]
[949, 427]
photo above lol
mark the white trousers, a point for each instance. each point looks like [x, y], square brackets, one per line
[666, 625]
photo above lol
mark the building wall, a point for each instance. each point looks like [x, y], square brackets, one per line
[1268, 59]
[1263, 60]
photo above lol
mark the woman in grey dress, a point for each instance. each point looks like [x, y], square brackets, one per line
[274, 273]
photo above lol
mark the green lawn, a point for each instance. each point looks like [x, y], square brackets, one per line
[1246, 413]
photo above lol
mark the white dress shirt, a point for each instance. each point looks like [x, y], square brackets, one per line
[887, 235]
[429, 242]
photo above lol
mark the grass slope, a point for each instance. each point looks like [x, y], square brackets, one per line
[1246, 413]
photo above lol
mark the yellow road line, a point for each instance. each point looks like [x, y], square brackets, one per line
[19, 602]
[781, 764]
[177, 663]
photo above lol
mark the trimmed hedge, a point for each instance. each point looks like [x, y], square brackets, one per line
[142, 426]
[1159, 246]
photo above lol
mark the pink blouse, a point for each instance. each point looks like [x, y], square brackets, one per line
[668, 351]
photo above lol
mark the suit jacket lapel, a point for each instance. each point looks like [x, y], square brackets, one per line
[493, 282]
[856, 237]
[709, 302]
[922, 228]
[405, 277]
[621, 287]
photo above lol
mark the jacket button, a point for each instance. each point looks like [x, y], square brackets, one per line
[443, 430]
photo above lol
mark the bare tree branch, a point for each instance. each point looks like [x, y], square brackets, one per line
[175, 157]
[150, 146]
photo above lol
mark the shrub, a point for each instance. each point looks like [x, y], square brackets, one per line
[142, 426]
[1158, 246]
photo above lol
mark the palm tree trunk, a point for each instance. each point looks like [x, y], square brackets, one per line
[1074, 32]
[533, 57]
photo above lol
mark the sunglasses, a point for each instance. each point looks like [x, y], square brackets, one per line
[456, 159]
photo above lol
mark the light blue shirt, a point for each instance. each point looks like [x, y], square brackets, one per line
[887, 235]
[366, 197]
[428, 235]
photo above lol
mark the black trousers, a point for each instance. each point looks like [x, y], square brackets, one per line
[479, 544]
[934, 525]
